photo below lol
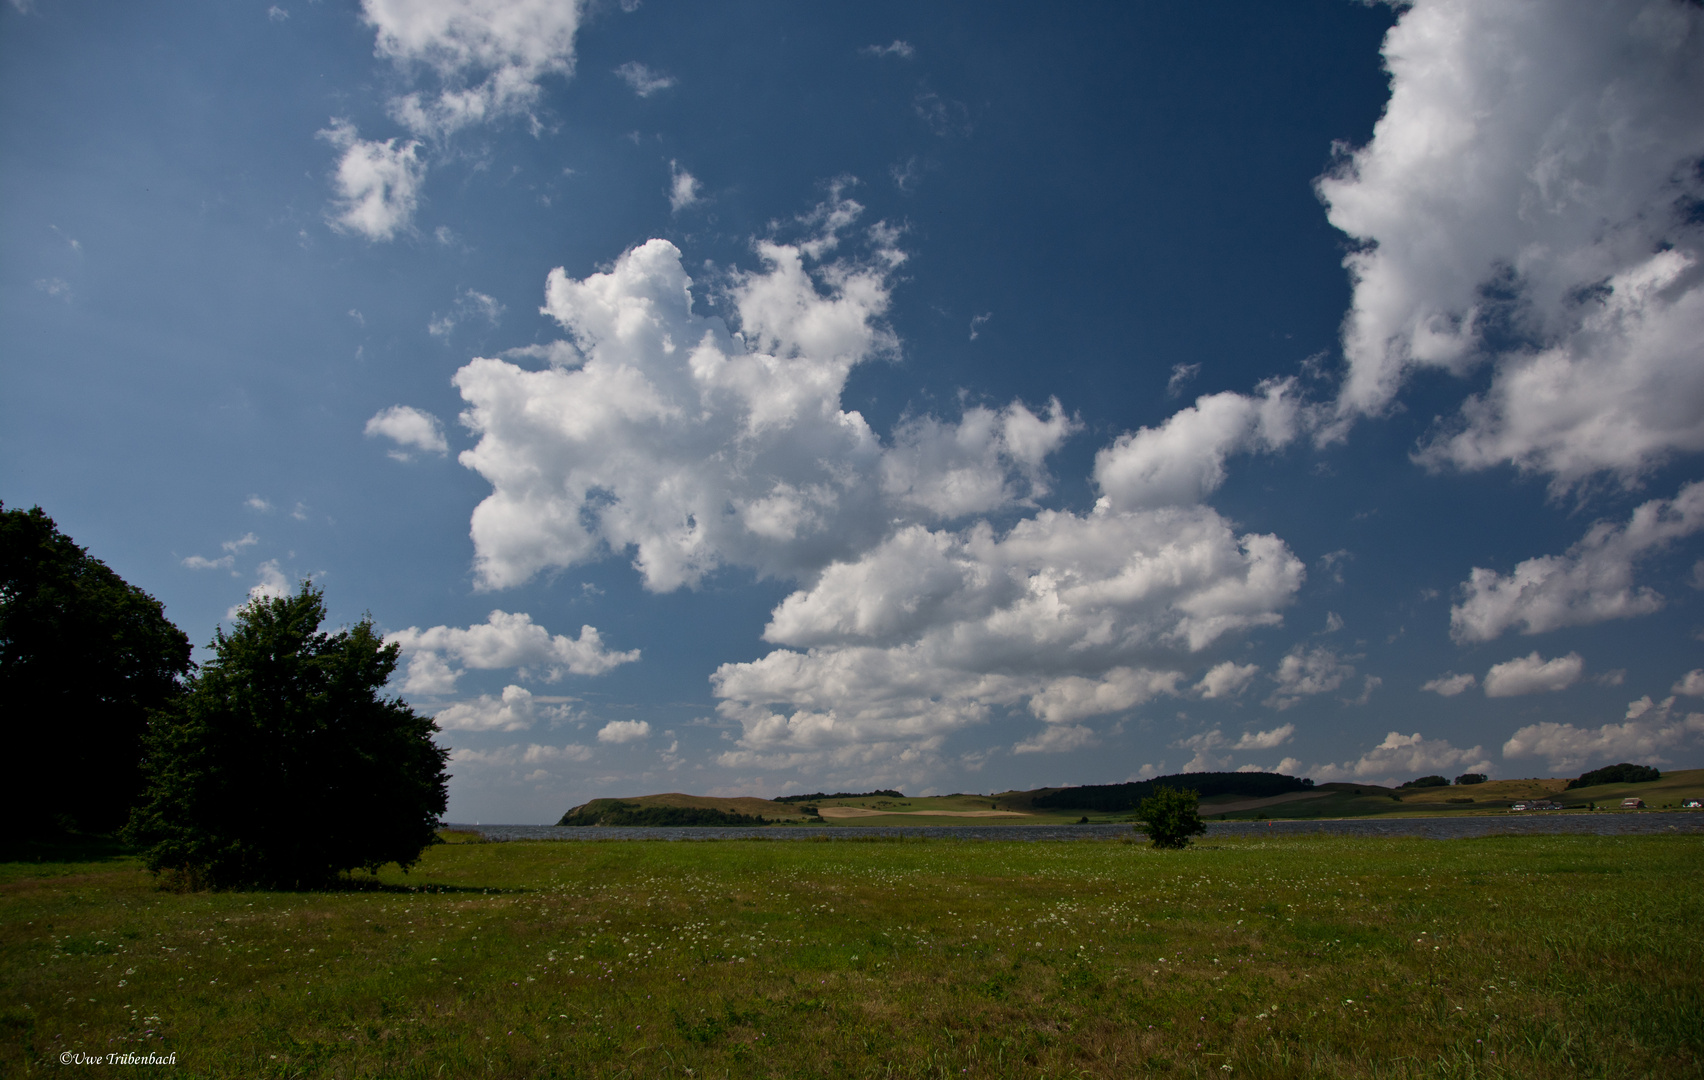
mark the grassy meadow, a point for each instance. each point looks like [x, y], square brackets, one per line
[1555, 956]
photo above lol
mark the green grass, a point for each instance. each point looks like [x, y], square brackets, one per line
[1556, 956]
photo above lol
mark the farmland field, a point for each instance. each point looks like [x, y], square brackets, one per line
[1296, 956]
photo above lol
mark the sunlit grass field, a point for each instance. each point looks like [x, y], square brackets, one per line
[1307, 956]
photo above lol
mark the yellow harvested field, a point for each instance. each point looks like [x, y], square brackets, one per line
[1234, 806]
[859, 811]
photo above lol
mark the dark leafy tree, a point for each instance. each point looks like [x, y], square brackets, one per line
[1624, 773]
[84, 656]
[1471, 778]
[282, 764]
[1115, 798]
[1427, 781]
[1170, 816]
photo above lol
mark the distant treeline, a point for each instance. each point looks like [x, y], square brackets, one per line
[840, 795]
[1110, 798]
[618, 813]
[1624, 773]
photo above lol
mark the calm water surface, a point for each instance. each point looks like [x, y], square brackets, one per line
[1458, 828]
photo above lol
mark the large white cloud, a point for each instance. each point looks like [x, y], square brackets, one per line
[1405, 756]
[504, 640]
[1533, 674]
[1648, 732]
[489, 56]
[689, 443]
[695, 447]
[1071, 615]
[1591, 582]
[1528, 198]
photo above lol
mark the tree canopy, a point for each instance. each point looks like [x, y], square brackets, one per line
[282, 764]
[84, 656]
[1113, 798]
[1170, 816]
[1624, 773]
[1427, 781]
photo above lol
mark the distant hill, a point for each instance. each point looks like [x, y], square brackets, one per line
[1224, 796]
[1114, 798]
[620, 813]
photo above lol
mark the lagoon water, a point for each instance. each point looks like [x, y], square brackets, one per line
[1432, 828]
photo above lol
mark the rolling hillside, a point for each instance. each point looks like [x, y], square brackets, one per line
[1040, 806]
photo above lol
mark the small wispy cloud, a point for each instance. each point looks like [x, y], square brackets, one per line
[1181, 374]
[643, 80]
[901, 49]
[683, 188]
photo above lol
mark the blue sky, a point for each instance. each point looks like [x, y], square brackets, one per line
[754, 398]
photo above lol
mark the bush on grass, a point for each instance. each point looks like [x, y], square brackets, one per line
[281, 765]
[1170, 817]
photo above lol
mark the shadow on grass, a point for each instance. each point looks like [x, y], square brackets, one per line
[63, 848]
[373, 885]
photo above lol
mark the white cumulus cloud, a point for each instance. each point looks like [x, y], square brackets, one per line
[694, 446]
[1213, 750]
[409, 428]
[1305, 672]
[1591, 582]
[1523, 203]
[1691, 684]
[1074, 697]
[688, 442]
[624, 731]
[931, 629]
[272, 584]
[1402, 756]
[1226, 680]
[1265, 740]
[504, 640]
[376, 185]
[1183, 460]
[514, 710]
[516, 755]
[1649, 731]
[1450, 685]
[1532, 674]
[488, 56]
